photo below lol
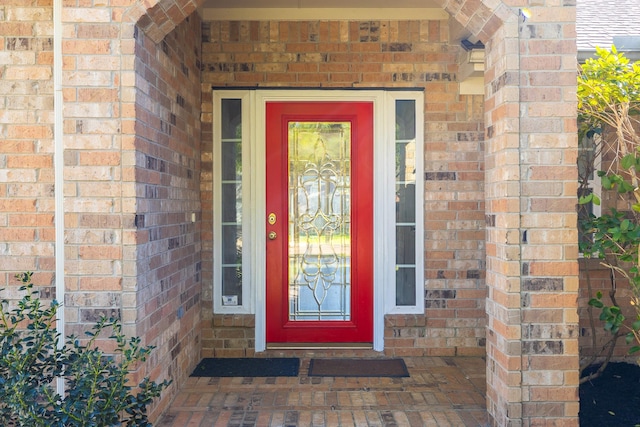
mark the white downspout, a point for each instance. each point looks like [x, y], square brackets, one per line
[58, 165]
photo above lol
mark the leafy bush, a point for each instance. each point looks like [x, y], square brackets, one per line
[97, 389]
[609, 107]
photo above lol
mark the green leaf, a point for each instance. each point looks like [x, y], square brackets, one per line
[625, 187]
[596, 303]
[629, 338]
[608, 326]
[628, 161]
[583, 200]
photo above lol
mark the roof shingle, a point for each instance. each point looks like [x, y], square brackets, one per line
[599, 21]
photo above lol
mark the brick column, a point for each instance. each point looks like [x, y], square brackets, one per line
[132, 179]
[502, 195]
[530, 111]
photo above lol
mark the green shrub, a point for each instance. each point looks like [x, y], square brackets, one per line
[609, 111]
[97, 386]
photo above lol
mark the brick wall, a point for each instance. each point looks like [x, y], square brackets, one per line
[598, 277]
[530, 146]
[26, 144]
[166, 301]
[372, 54]
[94, 167]
[594, 275]
[132, 154]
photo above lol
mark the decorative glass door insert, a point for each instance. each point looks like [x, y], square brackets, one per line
[319, 220]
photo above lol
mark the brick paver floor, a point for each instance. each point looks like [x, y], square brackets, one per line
[441, 391]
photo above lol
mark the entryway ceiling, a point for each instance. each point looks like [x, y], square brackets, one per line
[283, 10]
[315, 4]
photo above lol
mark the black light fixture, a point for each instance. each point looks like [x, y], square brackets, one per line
[468, 46]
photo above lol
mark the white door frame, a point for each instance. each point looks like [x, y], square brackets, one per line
[262, 97]
[254, 199]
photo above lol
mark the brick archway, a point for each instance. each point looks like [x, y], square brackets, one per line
[160, 18]
[105, 142]
[477, 16]
[531, 244]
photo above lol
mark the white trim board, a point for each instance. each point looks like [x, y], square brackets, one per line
[316, 14]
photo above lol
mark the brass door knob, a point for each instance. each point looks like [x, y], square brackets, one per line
[272, 235]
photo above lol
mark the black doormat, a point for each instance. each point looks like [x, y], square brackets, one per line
[247, 367]
[358, 368]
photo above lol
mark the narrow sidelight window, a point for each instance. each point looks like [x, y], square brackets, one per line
[229, 221]
[405, 188]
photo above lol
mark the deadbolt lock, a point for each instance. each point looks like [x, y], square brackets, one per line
[272, 218]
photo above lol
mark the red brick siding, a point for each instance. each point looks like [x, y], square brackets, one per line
[26, 146]
[593, 274]
[167, 187]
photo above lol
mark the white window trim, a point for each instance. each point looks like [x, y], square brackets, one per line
[254, 229]
[388, 152]
[595, 183]
[248, 301]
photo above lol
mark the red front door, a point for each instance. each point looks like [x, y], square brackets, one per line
[319, 204]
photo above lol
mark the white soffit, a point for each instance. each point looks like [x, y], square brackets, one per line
[310, 4]
[272, 10]
[272, 14]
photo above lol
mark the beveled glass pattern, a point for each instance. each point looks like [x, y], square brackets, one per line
[319, 221]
